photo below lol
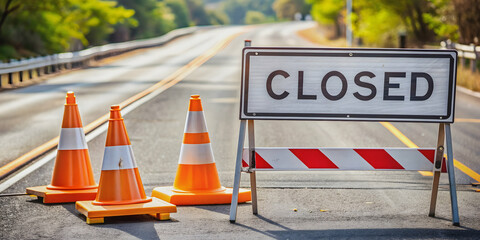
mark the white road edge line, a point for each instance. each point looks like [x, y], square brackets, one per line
[93, 134]
[468, 91]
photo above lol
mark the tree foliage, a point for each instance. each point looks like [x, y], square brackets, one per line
[218, 17]
[467, 14]
[153, 17]
[29, 28]
[379, 22]
[50, 26]
[180, 11]
[198, 13]
[237, 10]
[286, 9]
[329, 12]
[254, 17]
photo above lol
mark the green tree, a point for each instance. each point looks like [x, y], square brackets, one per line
[286, 9]
[198, 14]
[467, 15]
[254, 17]
[180, 10]
[218, 17]
[378, 22]
[329, 12]
[443, 21]
[237, 9]
[154, 18]
[100, 17]
[51, 26]
[376, 25]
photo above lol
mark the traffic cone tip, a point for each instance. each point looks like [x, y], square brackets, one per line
[70, 98]
[195, 103]
[115, 113]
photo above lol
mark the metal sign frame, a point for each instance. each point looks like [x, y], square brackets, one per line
[346, 53]
[444, 138]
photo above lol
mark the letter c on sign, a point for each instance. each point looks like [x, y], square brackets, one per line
[269, 84]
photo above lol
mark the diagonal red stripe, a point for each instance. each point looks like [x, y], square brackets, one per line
[313, 158]
[428, 153]
[444, 165]
[378, 158]
[260, 162]
[244, 164]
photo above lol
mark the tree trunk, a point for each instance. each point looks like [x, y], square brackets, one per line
[468, 20]
[7, 11]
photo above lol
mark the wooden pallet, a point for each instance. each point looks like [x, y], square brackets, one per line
[95, 214]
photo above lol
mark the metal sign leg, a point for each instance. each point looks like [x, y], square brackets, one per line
[451, 176]
[253, 177]
[238, 172]
[437, 168]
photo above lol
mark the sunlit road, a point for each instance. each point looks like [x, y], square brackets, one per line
[361, 204]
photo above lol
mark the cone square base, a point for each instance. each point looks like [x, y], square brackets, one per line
[62, 196]
[95, 213]
[200, 198]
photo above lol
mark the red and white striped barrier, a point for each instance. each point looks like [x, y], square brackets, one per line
[304, 159]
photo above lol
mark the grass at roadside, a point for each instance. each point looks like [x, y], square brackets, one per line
[466, 78]
[318, 35]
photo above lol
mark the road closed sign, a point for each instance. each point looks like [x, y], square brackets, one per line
[348, 84]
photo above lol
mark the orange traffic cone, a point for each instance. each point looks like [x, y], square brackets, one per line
[197, 182]
[120, 190]
[72, 178]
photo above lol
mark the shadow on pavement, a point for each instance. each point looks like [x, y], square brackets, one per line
[219, 208]
[384, 233]
[267, 233]
[140, 226]
[388, 233]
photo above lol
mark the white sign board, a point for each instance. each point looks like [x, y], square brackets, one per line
[348, 84]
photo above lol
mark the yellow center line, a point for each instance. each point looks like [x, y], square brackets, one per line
[165, 83]
[405, 141]
[462, 167]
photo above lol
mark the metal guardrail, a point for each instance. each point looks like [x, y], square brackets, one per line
[470, 52]
[16, 72]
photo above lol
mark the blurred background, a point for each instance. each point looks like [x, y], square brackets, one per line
[37, 28]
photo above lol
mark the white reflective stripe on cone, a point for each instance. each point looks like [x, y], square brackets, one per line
[72, 139]
[196, 154]
[195, 122]
[118, 157]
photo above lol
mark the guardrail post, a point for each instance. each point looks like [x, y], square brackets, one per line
[10, 78]
[473, 62]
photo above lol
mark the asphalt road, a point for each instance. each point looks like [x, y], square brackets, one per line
[329, 204]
